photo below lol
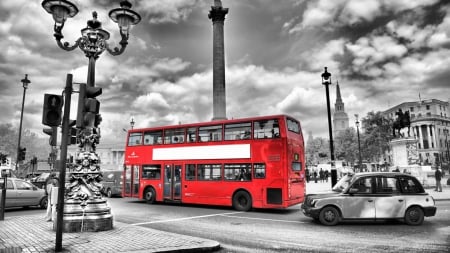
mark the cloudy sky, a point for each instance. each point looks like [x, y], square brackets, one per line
[382, 53]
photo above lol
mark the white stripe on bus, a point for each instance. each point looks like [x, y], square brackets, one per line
[232, 151]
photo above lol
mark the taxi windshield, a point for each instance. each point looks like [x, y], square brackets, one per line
[343, 183]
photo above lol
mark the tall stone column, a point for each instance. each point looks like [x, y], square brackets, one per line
[217, 15]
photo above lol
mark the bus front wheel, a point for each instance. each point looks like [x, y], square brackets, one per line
[150, 195]
[242, 201]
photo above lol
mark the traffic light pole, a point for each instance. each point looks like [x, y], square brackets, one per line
[62, 170]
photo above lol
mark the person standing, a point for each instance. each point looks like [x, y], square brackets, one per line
[49, 186]
[438, 177]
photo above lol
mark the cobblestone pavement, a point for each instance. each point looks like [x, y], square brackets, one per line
[32, 234]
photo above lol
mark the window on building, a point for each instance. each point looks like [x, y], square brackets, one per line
[428, 107]
[411, 109]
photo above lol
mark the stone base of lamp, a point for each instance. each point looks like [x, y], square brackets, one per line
[86, 216]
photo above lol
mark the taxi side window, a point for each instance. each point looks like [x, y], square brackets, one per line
[409, 185]
[387, 185]
[364, 185]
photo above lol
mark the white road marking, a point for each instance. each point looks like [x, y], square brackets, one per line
[251, 218]
[212, 215]
[186, 218]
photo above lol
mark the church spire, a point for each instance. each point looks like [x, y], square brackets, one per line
[340, 117]
[339, 105]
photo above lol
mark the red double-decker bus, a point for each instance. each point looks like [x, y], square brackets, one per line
[252, 162]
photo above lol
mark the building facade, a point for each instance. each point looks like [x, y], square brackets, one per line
[430, 126]
[111, 155]
[340, 117]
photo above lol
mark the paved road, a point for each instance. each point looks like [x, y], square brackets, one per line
[280, 230]
[287, 230]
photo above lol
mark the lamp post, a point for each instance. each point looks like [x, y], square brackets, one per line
[359, 143]
[93, 42]
[446, 144]
[25, 83]
[132, 123]
[326, 80]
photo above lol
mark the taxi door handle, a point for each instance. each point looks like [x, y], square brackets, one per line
[400, 200]
[370, 200]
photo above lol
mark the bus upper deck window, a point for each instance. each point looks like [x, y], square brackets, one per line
[135, 139]
[265, 129]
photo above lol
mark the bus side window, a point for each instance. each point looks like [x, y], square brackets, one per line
[259, 170]
[190, 172]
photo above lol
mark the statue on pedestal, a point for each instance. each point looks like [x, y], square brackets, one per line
[402, 121]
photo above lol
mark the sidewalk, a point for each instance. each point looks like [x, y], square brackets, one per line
[318, 187]
[33, 234]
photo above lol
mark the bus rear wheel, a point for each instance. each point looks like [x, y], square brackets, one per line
[242, 201]
[150, 195]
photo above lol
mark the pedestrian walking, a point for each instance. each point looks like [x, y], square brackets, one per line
[307, 175]
[315, 176]
[326, 175]
[321, 175]
[438, 177]
[51, 182]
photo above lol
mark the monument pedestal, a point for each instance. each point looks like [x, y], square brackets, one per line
[404, 152]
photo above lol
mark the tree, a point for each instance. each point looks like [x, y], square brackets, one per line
[376, 136]
[317, 151]
[9, 135]
[346, 145]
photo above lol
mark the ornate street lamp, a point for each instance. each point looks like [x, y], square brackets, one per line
[359, 143]
[326, 80]
[93, 40]
[84, 195]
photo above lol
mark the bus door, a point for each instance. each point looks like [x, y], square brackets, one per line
[172, 181]
[131, 181]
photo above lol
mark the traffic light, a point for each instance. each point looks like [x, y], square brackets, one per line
[3, 158]
[88, 105]
[72, 133]
[22, 153]
[52, 112]
[53, 135]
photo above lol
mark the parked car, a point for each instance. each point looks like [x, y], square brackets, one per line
[112, 183]
[20, 193]
[41, 180]
[372, 196]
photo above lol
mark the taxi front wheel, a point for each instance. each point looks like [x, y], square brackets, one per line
[329, 216]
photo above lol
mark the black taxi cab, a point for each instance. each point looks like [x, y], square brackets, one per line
[371, 196]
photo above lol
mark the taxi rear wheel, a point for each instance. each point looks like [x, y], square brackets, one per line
[414, 216]
[329, 216]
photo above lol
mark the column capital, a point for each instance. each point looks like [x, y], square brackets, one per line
[217, 13]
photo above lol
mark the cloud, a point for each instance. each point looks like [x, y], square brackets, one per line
[172, 11]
